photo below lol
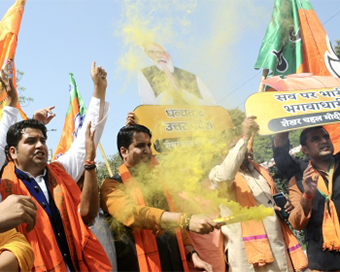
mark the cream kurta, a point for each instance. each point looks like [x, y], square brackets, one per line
[234, 245]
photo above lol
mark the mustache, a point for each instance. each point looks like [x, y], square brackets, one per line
[325, 146]
[162, 60]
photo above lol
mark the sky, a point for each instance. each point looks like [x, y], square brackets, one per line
[218, 40]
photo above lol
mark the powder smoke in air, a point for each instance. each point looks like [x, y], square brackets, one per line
[149, 21]
[205, 48]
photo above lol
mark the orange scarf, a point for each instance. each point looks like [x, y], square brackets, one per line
[254, 235]
[146, 245]
[86, 252]
[330, 223]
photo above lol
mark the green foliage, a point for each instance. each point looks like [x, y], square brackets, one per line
[102, 173]
[23, 100]
[237, 116]
[337, 48]
[263, 152]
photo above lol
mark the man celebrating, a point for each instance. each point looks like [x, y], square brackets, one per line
[315, 193]
[149, 242]
[268, 245]
[60, 239]
[165, 84]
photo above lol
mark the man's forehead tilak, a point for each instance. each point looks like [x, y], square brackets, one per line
[37, 133]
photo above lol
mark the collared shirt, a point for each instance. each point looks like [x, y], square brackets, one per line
[41, 182]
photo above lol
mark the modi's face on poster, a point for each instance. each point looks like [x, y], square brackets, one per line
[156, 52]
[159, 57]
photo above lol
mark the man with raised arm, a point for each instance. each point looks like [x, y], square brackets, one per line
[314, 190]
[152, 240]
[266, 245]
[59, 229]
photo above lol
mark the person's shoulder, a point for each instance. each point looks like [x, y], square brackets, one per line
[55, 165]
[184, 72]
[336, 157]
[115, 179]
[148, 70]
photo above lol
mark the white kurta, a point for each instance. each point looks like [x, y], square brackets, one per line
[234, 245]
[9, 117]
[73, 159]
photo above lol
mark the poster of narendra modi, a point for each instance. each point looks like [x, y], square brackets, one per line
[165, 84]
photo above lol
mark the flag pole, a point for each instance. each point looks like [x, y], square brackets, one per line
[264, 76]
[105, 159]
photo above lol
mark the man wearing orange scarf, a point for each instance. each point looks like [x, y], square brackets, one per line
[152, 240]
[314, 191]
[266, 245]
[60, 239]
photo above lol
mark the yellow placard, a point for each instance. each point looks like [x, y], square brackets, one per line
[284, 111]
[173, 126]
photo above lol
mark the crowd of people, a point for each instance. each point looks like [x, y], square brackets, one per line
[47, 209]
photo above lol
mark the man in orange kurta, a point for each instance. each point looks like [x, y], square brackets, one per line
[152, 240]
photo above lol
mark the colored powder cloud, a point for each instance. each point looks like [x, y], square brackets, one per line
[201, 36]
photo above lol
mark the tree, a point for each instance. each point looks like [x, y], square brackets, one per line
[114, 161]
[23, 100]
[237, 116]
[337, 48]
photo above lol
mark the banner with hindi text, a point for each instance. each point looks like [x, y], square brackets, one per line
[284, 111]
[176, 126]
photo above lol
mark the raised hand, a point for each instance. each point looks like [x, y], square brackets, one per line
[15, 210]
[89, 143]
[98, 76]
[44, 115]
[131, 119]
[12, 94]
[309, 184]
[249, 126]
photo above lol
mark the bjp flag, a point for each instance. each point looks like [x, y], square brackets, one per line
[74, 120]
[296, 42]
[9, 30]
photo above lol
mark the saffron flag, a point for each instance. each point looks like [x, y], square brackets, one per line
[74, 120]
[296, 42]
[9, 30]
